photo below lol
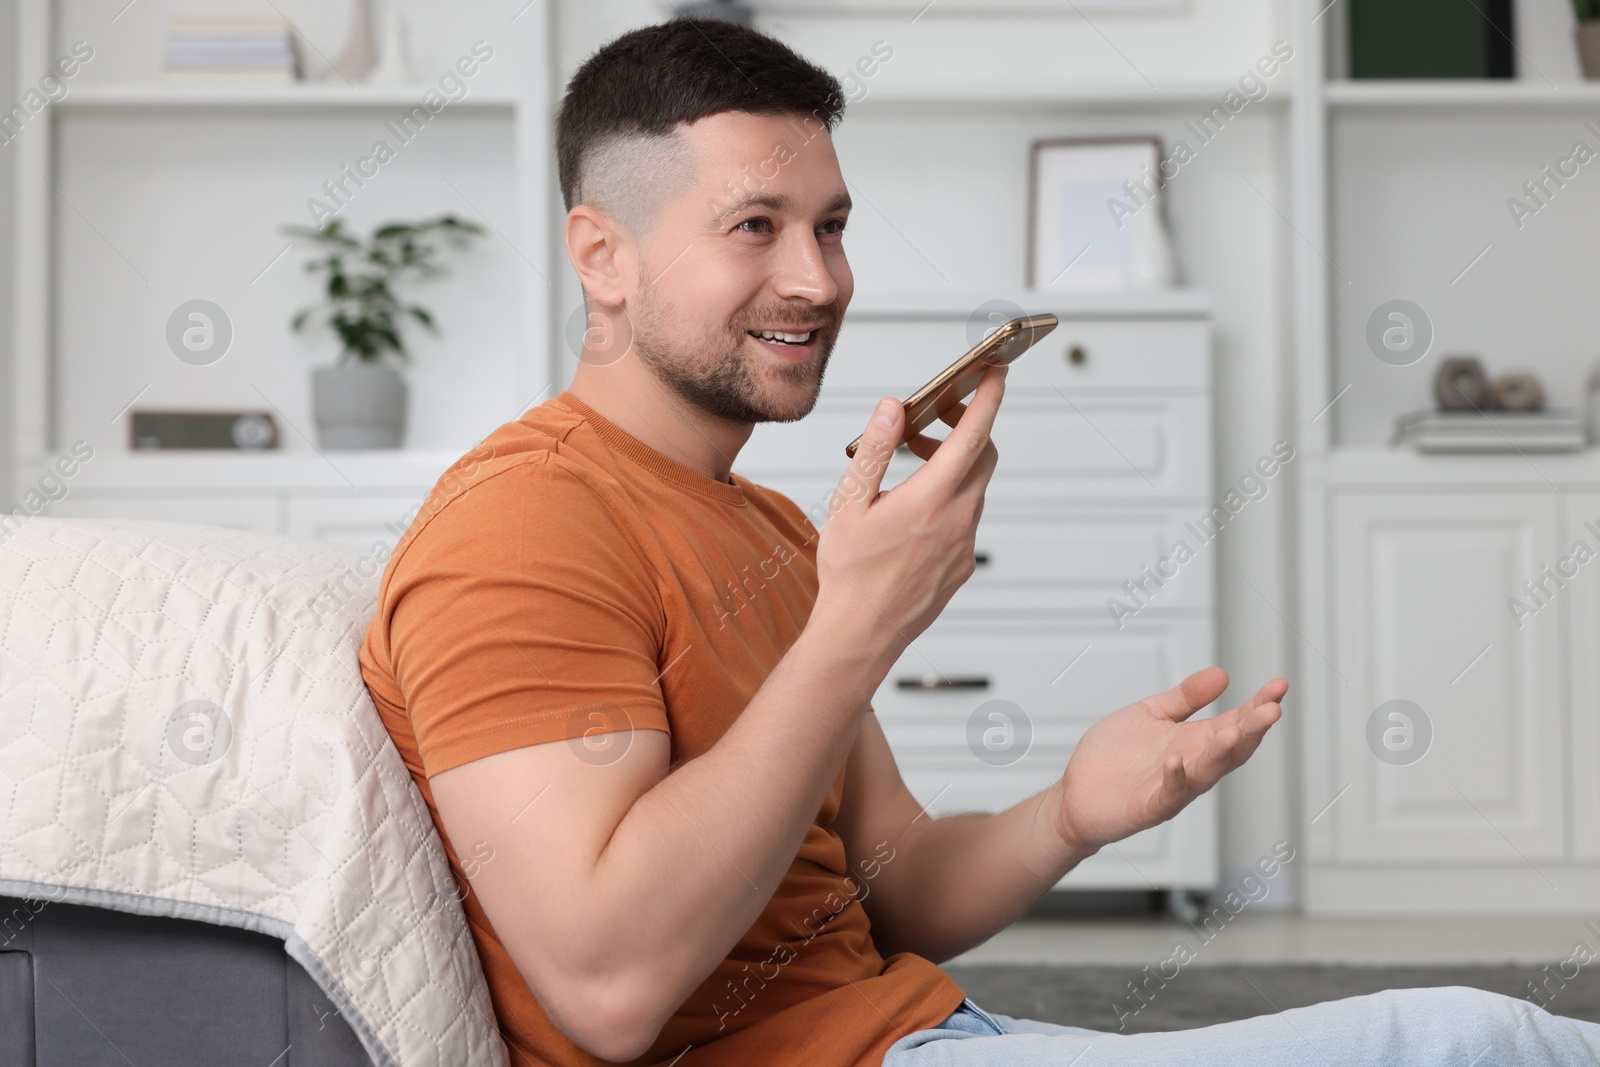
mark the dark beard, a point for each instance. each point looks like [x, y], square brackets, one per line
[723, 385]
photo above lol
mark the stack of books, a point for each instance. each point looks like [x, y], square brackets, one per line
[1554, 430]
[247, 50]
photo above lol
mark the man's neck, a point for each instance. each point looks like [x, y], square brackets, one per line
[640, 406]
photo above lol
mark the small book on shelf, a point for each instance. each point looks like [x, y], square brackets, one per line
[231, 50]
[1554, 430]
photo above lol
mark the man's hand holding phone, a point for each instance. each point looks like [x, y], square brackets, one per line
[889, 560]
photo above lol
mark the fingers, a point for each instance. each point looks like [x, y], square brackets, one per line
[977, 477]
[965, 445]
[1255, 715]
[951, 415]
[1174, 785]
[1181, 784]
[1190, 695]
[860, 483]
[922, 446]
[1230, 740]
[1234, 738]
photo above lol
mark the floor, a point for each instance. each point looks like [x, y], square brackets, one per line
[1287, 938]
[1128, 1000]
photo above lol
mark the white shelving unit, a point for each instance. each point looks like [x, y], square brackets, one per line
[128, 194]
[1407, 562]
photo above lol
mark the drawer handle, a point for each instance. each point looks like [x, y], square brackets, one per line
[1077, 354]
[982, 558]
[934, 681]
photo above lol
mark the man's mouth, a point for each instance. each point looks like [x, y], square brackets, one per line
[783, 337]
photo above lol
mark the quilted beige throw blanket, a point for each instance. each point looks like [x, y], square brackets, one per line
[184, 731]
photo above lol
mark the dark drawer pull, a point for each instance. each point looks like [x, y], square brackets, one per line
[934, 681]
[1077, 354]
[981, 558]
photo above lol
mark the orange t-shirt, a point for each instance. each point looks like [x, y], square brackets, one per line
[564, 577]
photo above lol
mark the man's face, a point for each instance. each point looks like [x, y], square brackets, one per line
[720, 267]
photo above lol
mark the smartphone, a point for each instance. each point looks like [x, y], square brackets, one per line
[960, 379]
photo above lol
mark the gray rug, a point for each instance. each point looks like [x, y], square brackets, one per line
[1096, 997]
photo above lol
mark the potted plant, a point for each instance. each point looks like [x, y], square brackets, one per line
[1588, 12]
[360, 402]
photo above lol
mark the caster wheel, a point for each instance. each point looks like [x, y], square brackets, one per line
[1186, 904]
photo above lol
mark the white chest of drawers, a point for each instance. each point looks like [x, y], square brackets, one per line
[1105, 463]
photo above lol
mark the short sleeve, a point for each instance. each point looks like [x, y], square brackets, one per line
[522, 613]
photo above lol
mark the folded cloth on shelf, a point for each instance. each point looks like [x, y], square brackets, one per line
[184, 731]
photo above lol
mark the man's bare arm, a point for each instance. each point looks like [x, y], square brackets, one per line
[951, 881]
[957, 880]
[621, 886]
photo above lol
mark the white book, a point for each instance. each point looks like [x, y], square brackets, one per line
[1555, 430]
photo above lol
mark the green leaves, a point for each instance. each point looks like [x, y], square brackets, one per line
[359, 300]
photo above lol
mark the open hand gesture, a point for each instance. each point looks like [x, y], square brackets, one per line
[1142, 764]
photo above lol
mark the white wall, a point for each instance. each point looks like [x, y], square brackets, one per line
[8, 80]
[947, 199]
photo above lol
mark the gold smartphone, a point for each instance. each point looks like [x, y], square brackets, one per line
[958, 381]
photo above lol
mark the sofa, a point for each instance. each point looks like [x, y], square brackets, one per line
[210, 850]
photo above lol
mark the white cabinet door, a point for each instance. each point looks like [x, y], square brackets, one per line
[1421, 584]
[258, 514]
[1579, 593]
[982, 714]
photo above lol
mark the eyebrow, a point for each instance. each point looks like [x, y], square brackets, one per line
[781, 202]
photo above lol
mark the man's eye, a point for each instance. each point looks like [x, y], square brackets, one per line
[831, 228]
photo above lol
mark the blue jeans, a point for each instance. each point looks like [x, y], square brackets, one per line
[1447, 1025]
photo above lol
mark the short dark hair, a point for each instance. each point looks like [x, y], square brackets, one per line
[648, 81]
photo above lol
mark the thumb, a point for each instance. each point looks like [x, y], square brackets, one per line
[878, 442]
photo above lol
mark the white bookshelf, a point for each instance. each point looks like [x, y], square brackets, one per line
[135, 194]
[1407, 560]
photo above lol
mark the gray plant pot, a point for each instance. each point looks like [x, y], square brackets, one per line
[358, 405]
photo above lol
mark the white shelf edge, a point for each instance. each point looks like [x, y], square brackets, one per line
[224, 470]
[1459, 93]
[1037, 95]
[1358, 467]
[303, 94]
[957, 301]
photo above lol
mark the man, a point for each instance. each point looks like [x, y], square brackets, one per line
[681, 834]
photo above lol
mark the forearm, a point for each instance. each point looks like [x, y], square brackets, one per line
[698, 856]
[959, 879]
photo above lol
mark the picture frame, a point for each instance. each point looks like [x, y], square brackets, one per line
[1077, 234]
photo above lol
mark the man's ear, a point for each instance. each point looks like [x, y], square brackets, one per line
[603, 255]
